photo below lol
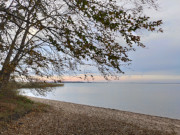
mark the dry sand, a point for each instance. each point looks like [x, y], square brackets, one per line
[74, 119]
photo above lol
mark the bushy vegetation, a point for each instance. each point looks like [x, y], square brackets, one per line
[38, 85]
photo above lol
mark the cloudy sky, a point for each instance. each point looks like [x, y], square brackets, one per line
[160, 60]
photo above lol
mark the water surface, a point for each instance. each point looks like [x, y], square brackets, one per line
[154, 99]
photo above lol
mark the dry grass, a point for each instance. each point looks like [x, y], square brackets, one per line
[13, 107]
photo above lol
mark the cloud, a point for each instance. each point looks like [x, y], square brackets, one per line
[151, 78]
[161, 56]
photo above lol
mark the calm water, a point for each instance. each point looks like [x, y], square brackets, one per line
[154, 99]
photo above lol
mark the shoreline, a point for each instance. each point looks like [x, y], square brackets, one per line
[63, 118]
[142, 120]
[106, 108]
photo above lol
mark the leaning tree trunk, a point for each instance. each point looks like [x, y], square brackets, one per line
[4, 80]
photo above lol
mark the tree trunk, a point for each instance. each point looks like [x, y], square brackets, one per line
[4, 80]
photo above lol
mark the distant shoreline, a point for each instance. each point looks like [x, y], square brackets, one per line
[120, 82]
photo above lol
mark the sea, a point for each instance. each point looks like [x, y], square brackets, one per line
[148, 98]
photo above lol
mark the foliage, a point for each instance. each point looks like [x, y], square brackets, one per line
[51, 37]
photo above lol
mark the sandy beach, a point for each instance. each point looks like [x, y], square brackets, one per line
[74, 119]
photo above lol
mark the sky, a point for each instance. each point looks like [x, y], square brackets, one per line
[159, 62]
